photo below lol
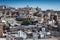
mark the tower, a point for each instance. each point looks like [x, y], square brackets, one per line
[56, 15]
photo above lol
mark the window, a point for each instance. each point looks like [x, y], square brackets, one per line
[7, 13]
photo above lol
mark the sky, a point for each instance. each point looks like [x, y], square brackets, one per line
[43, 4]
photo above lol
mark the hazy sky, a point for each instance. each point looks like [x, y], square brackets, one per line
[43, 4]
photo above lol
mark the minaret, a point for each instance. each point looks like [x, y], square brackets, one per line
[57, 16]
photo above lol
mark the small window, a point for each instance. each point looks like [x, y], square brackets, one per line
[7, 13]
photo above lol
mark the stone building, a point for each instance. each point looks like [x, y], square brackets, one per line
[1, 29]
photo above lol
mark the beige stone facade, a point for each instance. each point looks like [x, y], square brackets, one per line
[1, 30]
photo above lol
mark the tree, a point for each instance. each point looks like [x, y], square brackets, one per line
[7, 26]
[28, 21]
[35, 14]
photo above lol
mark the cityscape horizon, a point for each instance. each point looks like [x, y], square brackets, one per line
[30, 7]
[29, 19]
[43, 4]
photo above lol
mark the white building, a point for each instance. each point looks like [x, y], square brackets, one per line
[2, 38]
[22, 34]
